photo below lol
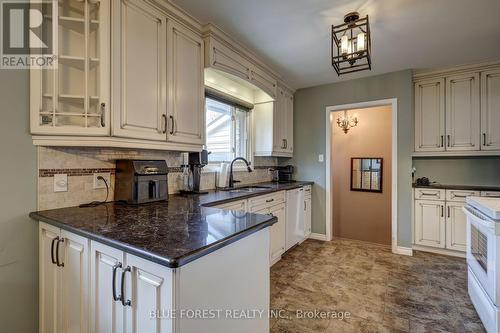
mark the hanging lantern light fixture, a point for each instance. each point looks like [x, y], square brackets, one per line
[351, 45]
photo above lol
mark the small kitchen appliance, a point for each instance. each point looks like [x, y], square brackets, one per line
[196, 162]
[141, 181]
[483, 258]
[283, 174]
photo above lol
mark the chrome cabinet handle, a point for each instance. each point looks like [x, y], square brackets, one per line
[103, 114]
[172, 128]
[442, 211]
[58, 263]
[442, 141]
[52, 249]
[119, 297]
[164, 117]
[127, 302]
[449, 140]
[269, 200]
[449, 211]
[484, 139]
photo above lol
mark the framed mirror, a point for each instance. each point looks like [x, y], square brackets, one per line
[366, 174]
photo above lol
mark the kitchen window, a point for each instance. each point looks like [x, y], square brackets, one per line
[227, 130]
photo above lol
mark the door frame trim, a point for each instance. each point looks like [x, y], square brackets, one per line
[393, 103]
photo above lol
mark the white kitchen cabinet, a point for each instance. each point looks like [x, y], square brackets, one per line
[73, 99]
[273, 125]
[429, 115]
[490, 110]
[430, 223]
[223, 58]
[139, 76]
[107, 312]
[265, 81]
[456, 226]
[49, 312]
[277, 233]
[462, 112]
[64, 281]
[240, 205]
[124, 291]
[307, 211]
[186, 110]
[149, 287]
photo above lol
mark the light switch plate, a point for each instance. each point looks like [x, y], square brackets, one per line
[99, 183]
[60, 183]
[321, 158]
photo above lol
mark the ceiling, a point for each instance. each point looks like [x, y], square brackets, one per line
[293, 36]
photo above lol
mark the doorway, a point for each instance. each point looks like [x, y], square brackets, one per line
[391, 176]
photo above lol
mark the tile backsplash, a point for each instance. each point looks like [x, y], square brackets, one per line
[81, 163]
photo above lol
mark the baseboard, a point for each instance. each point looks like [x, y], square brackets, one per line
[406, 251]
[439, 251]
[316, 236]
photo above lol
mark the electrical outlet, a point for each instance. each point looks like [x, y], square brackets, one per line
[321, 158]
[98, 183]
[60, 183]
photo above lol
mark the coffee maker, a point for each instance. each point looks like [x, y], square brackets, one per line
[196, 162]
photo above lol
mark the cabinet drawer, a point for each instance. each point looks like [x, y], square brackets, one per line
[429, 194]
[307, 191]
[240, 205]
[267, 200]
[490, 193]
[460, 195]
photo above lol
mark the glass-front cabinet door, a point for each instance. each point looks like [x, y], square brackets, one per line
[73, 97]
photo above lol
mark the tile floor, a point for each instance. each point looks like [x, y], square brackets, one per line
[383, 292]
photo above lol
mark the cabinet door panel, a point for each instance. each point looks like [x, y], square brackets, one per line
[289, 123]
[75, 283]
[490, 110]
[278, 233]
[429, 115]
[49, 287]
[430, 223]
[279, 122]
[226, 60]
[308, 215]
[139, 71]
[187, 99]
[456, 227]
[462, 112]
[107, 315]
[149, 288]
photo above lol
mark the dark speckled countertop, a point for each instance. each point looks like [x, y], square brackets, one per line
[460, 187]
[169, 233]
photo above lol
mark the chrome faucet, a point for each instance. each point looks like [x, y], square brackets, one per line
[231, 178]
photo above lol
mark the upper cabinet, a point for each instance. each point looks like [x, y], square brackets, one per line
[429, 115]
[73, 98]
[462, 112]
[131, 73]
[273, 125]
[458, 112]
[490, 110]
[139, 71]
[186, 86]
[228, 56]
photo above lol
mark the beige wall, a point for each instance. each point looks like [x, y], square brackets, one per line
[362, 215]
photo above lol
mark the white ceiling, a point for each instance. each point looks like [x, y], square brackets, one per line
[293, 36]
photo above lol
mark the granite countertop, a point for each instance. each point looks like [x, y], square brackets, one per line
[171, 233]
[460, 187]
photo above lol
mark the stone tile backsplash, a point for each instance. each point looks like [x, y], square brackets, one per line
[80, 164]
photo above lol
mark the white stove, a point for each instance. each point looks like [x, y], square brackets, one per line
[483, 258]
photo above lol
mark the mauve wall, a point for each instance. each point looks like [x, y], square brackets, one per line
[364, 216]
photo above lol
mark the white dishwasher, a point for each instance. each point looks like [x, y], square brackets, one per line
[295, 218]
